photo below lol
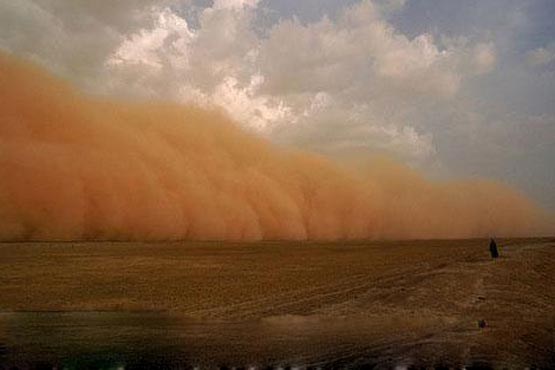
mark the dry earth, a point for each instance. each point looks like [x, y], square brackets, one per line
[350, 304]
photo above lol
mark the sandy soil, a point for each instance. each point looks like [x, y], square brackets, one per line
[323, 304]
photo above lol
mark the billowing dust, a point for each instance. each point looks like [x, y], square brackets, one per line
[78, 167]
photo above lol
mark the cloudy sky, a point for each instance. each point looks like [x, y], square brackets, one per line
[456, 88]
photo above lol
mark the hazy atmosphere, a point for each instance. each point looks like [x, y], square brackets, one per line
[277, 184]
[457, 91]
[458, 88]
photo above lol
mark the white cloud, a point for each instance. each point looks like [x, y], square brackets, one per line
[332, 85]
[259, 111]
[234, 4]
[170, 35]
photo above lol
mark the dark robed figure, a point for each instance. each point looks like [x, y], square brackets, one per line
[493, 249]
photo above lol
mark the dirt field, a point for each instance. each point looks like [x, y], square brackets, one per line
[319, 304]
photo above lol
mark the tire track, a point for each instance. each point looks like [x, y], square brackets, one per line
[304, 300]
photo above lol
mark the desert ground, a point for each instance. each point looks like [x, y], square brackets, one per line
[214, 304]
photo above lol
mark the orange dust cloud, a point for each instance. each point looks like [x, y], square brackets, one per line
[77, 167]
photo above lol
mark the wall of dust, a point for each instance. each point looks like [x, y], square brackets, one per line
[76, 167]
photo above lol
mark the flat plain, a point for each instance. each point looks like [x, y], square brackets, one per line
[343, 304]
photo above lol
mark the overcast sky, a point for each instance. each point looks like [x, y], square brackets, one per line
[456, 88]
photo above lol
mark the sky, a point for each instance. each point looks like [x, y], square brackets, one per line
[458, 89]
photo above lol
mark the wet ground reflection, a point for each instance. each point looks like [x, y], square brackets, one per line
[90, 340]
[148, 340]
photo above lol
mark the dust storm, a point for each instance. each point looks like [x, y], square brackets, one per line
[74, 166]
